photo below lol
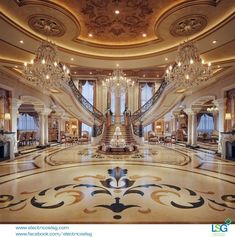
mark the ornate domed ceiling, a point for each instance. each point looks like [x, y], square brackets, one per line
[117, 22]
[102, 33]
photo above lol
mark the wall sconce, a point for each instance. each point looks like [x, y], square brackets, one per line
[74, 127]
[228, 116]
[158, 127]
[7, 116]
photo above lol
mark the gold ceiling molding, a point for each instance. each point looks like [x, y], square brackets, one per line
[106, 26]
[35, 37]
[134, 24]
[54, 6]
[46, 25]
[183, 5]
[188, 25]
[218, 47]
[27, 51]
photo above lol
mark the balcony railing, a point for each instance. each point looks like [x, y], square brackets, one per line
[85, 103]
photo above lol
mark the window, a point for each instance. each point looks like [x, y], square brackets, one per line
[27, 122]
[113, 102]
[88, 93]
[123, 101]
[87, 128]
[146, 94]
[206, 123]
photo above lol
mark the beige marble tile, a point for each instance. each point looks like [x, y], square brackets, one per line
[78, 185]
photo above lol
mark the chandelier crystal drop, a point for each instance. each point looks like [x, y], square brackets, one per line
[212, 109]
[189, 69]
[45, 71]
[118, 82]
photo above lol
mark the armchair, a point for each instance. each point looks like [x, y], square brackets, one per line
[152, 138]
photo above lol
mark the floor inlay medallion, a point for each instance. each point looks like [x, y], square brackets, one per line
[78, 185]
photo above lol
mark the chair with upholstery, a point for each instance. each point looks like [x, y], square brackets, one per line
[84, 137]
[152, 138]
[214, 136]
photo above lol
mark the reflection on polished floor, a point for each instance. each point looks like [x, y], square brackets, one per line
[75, 184]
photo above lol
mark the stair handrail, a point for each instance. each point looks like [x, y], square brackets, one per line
[139, 113]
[85, 103]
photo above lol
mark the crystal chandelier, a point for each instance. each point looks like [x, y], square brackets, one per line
[45, 71]
[212, 109]
[118, 82]
[189, 69]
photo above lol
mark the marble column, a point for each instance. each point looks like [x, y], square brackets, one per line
[174, 122]
[117, 108]
[46, 111]
[194, 127]
[15, 104]
[220, 103]
[59, 121]
[46, 129]
[43, 123]
[41, 128]
[189, 112]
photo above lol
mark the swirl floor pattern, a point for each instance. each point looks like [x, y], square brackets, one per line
[78, 185]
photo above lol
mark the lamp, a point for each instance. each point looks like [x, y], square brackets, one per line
[74, 127]
[118, 82]
[189, 69]
[228, 116]
[212, 109]
[7, 116]
[45, 71]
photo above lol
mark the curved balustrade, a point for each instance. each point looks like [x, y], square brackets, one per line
[136, 130]
[138, 114]
[85, 103]
[99, 129]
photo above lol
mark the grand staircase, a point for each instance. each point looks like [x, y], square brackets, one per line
[125, 130]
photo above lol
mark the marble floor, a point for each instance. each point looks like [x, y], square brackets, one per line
[158, 184]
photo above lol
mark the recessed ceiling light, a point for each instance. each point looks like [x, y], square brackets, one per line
[90, 35]
[166, 59]
[218, 66]
[21, 41]
[157, 75]
[117, 12]
[16, 66]
[90, 72]
[110, 74]
[117, 65]
[214, 41]
[144, 75]
[75, 72]
[71, 59]
[144, 35]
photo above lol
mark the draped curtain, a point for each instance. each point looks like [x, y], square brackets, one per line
[28, 121]
[87, 90]
[205, 122]
[146, 92]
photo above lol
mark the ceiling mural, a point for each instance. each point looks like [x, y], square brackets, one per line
[133, 21]
[117, 22]
[135, 34]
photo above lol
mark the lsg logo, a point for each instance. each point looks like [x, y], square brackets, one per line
[221, 227]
